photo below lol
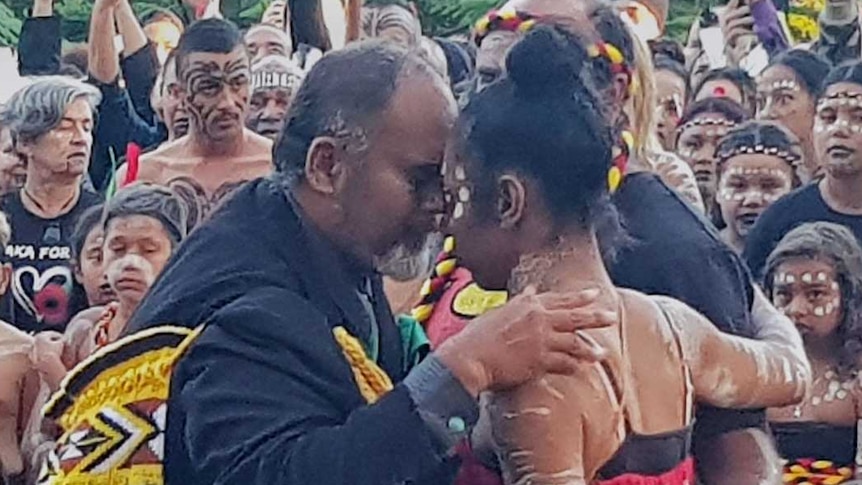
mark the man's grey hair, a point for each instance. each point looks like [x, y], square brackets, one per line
[39, 107]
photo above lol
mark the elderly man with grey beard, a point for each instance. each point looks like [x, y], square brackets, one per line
[51, 123]
[274, 82]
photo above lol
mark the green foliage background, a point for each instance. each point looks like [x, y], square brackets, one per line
[440, 17]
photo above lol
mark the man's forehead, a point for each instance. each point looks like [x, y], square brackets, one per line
[266, 34]
[420, 117]
[568, 9]
[496, 44]
[237, 54]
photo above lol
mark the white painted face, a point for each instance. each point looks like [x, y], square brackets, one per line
[838, 130]
[748, 185]
[808, 292]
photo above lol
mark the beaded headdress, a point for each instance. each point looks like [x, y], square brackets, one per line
[506, 20]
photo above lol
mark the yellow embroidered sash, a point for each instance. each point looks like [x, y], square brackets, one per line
[112, 408]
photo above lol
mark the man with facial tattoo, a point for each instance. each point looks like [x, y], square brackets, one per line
[219, 153]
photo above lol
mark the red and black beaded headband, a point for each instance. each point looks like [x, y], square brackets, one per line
[504, 20]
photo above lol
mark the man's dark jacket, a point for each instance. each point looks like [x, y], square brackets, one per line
[264, 395]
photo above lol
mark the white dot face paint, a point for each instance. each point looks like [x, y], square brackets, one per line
[130, 266]
[458, 212]
[785, 85]
[834, 111]
[461, 192]
[749, 184]
[807, 292]
[460, 174]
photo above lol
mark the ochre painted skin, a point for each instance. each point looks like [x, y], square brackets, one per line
[563, 429]
[14, 364]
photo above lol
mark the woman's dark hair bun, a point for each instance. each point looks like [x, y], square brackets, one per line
[546, 61]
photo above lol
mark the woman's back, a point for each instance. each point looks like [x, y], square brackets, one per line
[631, 414]
[579, 422]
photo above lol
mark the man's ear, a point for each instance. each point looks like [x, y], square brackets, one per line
[511, 200]
[324, 172]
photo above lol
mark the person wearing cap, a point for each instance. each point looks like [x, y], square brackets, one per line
[274, 82]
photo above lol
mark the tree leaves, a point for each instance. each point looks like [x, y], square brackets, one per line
[10, 26]
[439, 17]
[447, 17]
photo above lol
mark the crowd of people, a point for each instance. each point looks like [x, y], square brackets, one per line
[562, 248]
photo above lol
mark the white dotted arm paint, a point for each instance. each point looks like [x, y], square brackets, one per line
[735, 372]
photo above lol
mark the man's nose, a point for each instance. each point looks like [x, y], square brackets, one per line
[271, 111]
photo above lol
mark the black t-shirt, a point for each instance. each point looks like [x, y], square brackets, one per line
[803, 205]
[43, 293]
[676, 252]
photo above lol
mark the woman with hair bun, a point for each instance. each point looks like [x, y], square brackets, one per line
[528, 176]
[668, 232]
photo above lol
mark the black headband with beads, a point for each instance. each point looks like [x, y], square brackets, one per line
[786, 155]
[706, 122]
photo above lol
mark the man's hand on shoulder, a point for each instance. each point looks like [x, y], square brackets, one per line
[530, 336]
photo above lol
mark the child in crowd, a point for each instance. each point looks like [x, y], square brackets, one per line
[701, 128]
[814, 276]
[87, 255]
[142, 226]
[755, 167]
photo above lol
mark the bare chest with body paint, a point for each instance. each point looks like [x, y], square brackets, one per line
[204, 183]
